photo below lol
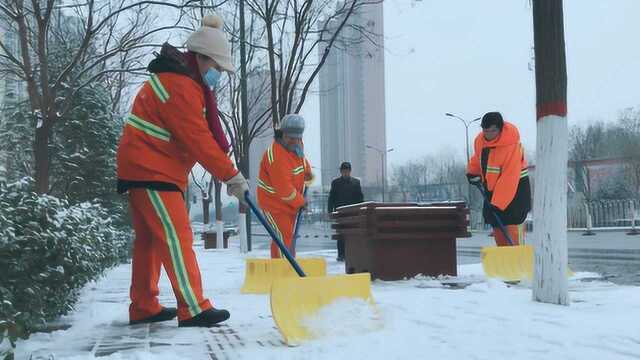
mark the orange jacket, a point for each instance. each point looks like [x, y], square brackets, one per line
[166, 133]
[505, 164]
[281, 180]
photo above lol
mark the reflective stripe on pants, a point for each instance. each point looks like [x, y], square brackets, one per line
[163, 237]
[283, 225]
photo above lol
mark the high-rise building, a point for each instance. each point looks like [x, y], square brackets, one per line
[12, 89]
[258, 146]
[352, 99]
[258, 96]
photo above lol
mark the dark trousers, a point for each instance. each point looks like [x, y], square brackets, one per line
[341, 248]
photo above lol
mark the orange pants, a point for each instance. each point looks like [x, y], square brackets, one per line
[163, 237]
[282, 224]
[516, 233]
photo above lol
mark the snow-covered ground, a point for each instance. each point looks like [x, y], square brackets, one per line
[413, 319]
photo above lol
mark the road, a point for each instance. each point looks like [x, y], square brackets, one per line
[613, 254]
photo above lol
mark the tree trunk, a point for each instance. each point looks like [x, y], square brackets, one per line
[245, 212]
[244, 221]
[41, 154]
[275, 116]
[219, 222]
[550, 283]
[218, 199]
[187, 198]
[205, 209]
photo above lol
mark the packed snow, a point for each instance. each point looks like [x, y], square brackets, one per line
[412, 319]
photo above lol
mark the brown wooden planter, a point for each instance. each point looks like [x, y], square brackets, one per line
[394, 241]
[209, 238]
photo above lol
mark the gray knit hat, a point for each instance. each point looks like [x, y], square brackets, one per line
[210, 40]
[292, 125]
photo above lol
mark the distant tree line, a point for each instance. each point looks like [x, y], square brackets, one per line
[619, 141]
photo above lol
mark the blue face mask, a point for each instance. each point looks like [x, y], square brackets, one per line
[297, 149]
[211, 77]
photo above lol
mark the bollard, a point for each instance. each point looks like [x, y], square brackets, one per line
[588, 231]
[242, 231]
[219, 234]
[633, 231]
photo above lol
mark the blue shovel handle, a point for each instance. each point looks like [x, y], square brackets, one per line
[498, 220]
[296, 226]
[275, 237]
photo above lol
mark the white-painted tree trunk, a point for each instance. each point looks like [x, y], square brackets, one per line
[550, 283]
[219, 234]
[633, 215]
[589, 220]
[242, 231]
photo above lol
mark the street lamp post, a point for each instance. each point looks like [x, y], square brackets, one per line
[466, 130]
[383, 157]
[466, 133]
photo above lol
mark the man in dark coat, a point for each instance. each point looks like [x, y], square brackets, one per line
[345, 190]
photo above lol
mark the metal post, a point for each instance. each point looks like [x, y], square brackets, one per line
[383, 156]
[588, 231]
[466, 133]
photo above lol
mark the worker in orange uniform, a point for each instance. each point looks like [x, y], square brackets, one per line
[499, 166]
[172, 125]
[284, 172]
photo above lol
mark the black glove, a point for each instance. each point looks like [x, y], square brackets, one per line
[474, 179]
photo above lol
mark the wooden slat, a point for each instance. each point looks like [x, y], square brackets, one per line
[452, 232]
[457, 218]
[418, 236]
[357, 219]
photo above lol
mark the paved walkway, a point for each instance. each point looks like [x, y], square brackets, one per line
[413, 319]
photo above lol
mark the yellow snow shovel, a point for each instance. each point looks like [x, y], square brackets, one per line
[260, 273]
[295, 301]
[507, 263]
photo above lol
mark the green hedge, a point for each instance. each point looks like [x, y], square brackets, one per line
[49, 250]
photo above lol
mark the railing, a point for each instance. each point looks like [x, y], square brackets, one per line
[604, 213]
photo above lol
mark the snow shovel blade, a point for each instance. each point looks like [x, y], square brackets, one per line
[260, 273]
[296, 300]
[508, 263]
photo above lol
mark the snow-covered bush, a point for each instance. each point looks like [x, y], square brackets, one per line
[48, 250]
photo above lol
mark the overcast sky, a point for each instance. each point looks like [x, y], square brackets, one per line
[470, 57]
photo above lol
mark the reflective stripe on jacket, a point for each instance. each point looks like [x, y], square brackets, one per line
[500, 163]
[166, 133]
[281, 180]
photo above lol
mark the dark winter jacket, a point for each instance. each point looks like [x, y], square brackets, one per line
[344, 191]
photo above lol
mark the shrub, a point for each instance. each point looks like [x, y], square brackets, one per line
[49, 250]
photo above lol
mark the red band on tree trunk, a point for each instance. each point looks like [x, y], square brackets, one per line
[558, 108]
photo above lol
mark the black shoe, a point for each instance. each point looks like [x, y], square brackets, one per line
[340, 259]
[207, 318]
[167, 313]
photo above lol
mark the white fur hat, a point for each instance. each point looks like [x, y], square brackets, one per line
[210, 40]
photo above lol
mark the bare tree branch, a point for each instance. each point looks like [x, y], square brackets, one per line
[7, 55]
[8, 12]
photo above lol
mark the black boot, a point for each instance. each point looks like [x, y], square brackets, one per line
[167, 313]
[207, 318]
